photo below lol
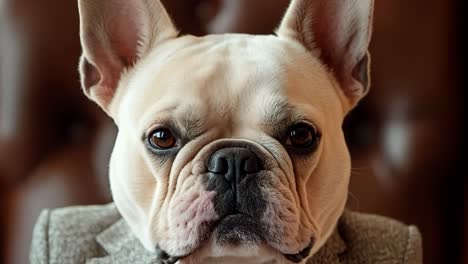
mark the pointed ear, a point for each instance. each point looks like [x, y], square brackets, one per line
[338, 32]
[115, 34]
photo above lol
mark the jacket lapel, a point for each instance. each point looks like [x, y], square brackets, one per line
[122, 246]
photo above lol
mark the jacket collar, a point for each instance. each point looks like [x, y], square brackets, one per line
[123, 247]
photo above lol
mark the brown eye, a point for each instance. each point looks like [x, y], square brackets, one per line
[302, 136]
[162, 138]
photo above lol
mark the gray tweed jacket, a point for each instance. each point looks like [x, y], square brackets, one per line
[98, 235]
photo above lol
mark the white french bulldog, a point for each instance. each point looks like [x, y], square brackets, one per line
[230, 147]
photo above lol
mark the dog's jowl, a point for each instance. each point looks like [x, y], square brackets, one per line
[230, 147]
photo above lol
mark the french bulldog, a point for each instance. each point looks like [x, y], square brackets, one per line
[230, 147]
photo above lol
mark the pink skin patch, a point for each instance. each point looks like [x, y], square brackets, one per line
[189, 219]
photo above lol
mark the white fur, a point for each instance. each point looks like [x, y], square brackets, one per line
[232, 83]
[244, 75]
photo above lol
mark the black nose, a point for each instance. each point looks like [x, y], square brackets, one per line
[233, 163]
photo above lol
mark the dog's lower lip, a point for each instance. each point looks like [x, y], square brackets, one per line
[234, 214]
[296, 258]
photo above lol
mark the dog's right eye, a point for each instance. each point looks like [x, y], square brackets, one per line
[162, 139]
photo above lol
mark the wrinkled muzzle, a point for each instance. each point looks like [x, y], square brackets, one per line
[238, 195]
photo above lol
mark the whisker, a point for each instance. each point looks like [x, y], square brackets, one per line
[360, 170]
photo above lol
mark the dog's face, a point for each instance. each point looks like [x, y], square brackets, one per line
[229, 146]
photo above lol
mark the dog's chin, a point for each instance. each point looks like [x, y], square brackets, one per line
[235, 246]
[237, 238]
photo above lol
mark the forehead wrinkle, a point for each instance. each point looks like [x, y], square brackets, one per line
[262, 92]
[278, 115]
[276, 112]
[190, 121]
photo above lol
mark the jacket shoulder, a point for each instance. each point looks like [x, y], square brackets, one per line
[378, 239]
[67, 235]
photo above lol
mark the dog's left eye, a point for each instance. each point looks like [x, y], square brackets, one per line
[162, 139]
[302, 136]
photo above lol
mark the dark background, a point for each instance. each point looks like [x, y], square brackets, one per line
[407, 138]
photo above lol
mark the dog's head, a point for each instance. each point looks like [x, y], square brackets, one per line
[228, 145]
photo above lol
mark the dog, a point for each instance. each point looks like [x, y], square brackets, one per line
[230, 147]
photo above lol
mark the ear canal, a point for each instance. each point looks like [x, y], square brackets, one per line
[338, 33]
[116, 34]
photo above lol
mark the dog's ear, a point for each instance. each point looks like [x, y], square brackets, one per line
[338, 32]
[115, 34]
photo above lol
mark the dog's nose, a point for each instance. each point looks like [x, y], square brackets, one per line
[233, 163]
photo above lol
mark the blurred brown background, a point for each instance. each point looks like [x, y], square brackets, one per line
[406, 137]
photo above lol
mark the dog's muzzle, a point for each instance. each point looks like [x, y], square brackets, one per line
[238, 174]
